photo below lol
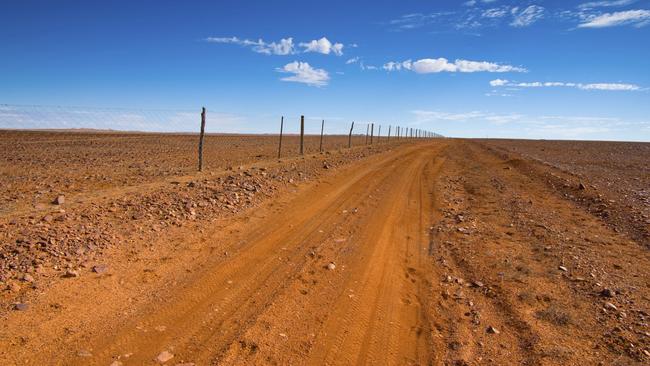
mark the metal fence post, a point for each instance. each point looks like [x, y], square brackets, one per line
[372, 131]
[350, 136]
[388, 141]
[379, 135]
[302, 135]
[201, 139]
[367, 131]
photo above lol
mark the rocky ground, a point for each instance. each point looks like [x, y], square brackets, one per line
[447, 252]
[68, 235]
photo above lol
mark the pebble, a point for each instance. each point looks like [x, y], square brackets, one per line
[492, 330]
[116, 363]
[100, 268]
[164, 356]
[59, 200]
[71, 274]
[610, 306]
[331, 266]
[28, 278]
[607, 293]
[21, 306]
[562, 268]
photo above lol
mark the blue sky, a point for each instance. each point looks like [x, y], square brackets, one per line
[497, 68]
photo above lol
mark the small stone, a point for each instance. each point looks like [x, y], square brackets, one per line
[21, 306]
[164, 356]
[562, 268]
[610, 306]
[116, 363]
[477, 284]
[71, 274]
[331, 266]
[27, 278]
[607, 293]
[100, 268]
[581, 187]
[59, 200]
[492, 330]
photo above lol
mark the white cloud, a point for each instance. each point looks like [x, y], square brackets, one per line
[638, 18]
[428, 66]
[353, 60]
[527, 16]
[495, 13]
[593, 86]
[283, 47]
[323, 46]
[498, 82]
[609, 86]
[304, 73]
[602, 4]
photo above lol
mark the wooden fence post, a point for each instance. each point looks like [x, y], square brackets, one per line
[302, 135]
[350, 136]
[280, 144]
[201, 139]
[388, 134]
[322, 128]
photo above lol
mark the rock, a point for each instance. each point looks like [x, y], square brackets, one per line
[100, 268]
[116, 363]
[27, 278]
[492, 330]
[21, 306]
[71, 274]
[610, 306]
[562, 268]
[331, 266]
[581, 187]
[607, 293]
[164, 356]
[59, 200]
[325, 165]
[477, 284]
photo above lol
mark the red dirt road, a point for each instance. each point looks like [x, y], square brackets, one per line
[433, 253]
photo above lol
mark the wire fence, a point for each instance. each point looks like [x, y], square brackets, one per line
[44, 148]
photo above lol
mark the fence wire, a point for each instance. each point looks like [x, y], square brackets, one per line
[44, 148]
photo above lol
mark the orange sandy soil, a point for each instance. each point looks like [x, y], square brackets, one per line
[445, 252]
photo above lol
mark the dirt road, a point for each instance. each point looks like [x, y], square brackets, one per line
[434, 253]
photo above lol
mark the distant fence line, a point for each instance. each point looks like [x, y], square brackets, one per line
[113, 129]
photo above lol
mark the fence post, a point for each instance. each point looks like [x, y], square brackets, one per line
[367, 131]
[322, 127]
[388, 141]
[372, 131]
[350, 136]
[302, 135]
[379, 135]
[201, 139]
[280, 144]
